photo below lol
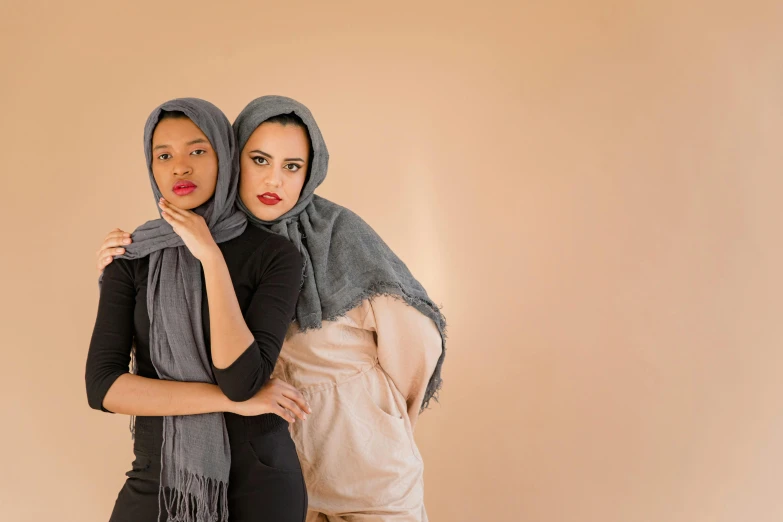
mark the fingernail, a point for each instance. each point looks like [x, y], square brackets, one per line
[107, 259]
[126, 242]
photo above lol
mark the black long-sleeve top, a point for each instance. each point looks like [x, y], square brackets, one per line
[266, 271]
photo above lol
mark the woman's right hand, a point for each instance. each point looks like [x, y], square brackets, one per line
[276, 397]
[109, 248]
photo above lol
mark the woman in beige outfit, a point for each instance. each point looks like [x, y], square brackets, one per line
[367, 344]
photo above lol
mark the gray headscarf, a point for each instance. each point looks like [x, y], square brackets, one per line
[195, 457]
[346, 262]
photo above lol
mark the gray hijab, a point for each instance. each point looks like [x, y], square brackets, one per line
[195, 457]
[346, 262]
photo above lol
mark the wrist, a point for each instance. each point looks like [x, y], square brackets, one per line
[213, 256]
[221, 403]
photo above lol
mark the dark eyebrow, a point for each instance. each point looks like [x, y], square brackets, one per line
[272, 157]
[193, 142]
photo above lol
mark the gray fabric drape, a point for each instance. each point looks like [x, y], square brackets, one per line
[195, 455]
[345, 260]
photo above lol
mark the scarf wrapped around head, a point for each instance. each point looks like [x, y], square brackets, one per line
[195, 457]
[346, 261]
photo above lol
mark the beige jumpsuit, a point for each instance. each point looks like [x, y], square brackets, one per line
[364, 376]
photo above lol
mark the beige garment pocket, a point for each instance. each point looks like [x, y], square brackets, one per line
[378, 389]
[385, 403]
[358, 455]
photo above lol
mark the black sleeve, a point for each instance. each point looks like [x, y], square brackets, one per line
[112, 336]
[270, 313]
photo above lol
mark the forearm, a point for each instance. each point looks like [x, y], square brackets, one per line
[229, 334]
[135, 395]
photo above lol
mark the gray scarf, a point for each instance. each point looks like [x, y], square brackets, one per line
[195, 457]
[346, 262]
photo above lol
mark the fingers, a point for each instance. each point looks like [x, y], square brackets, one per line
[172, 219]
[288, 391]
[169, 204]
[110, 252]
[292, 407]
[297, 398]
[173, 210]
[285, 414]
[103, 262]
[175, 220]
[105, 257]
[168, 215]
[112, 246]
[116, 238]
[116, 232]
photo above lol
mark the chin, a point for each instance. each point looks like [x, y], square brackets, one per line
[268, 214]
[185, 204]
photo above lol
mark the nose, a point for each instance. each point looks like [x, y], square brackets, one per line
[273, 179]
[182, 168]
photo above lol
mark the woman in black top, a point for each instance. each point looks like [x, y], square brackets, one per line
[250, 286]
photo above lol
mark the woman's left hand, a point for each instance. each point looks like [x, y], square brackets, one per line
[191, 228]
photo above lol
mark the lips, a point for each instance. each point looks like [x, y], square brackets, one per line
[269, 198]
[183, 188]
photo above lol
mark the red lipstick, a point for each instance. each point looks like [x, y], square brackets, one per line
[183, 188]
[269, 198]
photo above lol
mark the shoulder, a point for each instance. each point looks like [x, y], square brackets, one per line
[129, 267]
[278, 247]
[130, 271]
[265, 249]
[337, 213]
[345, 221]
[254, 240]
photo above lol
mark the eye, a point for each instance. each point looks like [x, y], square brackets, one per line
[199, 152]
[164, 156]
[260, 160]
[293, 167]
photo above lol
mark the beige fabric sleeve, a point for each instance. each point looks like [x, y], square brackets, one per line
[409, 346]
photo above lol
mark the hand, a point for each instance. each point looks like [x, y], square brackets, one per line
[115, 239]
[276, 397]
[191, 228]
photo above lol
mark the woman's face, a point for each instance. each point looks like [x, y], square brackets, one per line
[273, 168]
[184, 165]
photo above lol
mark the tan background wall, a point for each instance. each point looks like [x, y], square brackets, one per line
[591, 189]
